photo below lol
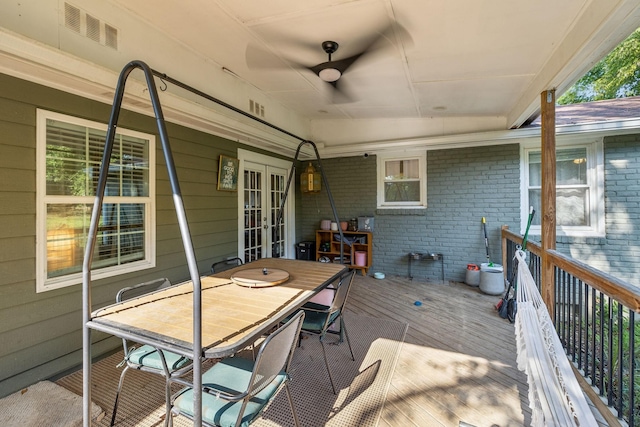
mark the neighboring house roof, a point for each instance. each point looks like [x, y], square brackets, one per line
[597, 111]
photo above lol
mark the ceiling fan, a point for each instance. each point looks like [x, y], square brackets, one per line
[333, 71]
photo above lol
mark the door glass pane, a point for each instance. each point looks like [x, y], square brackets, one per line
[253, 215]
[277, 185]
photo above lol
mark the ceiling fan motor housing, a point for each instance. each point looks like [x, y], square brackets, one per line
[330, 47]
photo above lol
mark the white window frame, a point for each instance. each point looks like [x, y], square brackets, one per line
[42, 200]
[595, 181]
[381, 160]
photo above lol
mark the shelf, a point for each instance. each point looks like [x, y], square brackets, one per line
[328, 245]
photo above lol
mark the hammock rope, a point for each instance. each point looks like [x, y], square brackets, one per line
[555, 397]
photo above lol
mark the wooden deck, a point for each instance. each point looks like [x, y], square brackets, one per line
[457, 366]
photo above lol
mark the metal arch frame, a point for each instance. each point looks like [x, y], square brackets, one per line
[275, 247]
[182, 222]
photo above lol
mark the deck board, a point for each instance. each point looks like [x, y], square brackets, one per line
[458, 362]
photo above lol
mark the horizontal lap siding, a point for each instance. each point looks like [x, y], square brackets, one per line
[41, 333]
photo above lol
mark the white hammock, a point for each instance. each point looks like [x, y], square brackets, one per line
[555, 396]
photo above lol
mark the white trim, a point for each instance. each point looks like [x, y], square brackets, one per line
[290, 230]
[44, 284]
[595, 180]
[481, 139]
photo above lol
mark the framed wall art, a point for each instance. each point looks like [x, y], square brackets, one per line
[228, 174]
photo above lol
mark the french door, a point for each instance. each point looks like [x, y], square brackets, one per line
[263, 182]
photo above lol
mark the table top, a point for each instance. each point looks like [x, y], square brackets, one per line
[233, 316]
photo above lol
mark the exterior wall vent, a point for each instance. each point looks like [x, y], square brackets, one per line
[72, 17]
[110, 36]
[93, 28]
[79, 21]
[256, 109]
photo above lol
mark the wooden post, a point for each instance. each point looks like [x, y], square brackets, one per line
[548, 136]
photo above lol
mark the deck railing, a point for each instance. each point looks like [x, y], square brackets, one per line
[594, 316]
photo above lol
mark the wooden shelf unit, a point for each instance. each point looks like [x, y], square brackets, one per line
[363, 244]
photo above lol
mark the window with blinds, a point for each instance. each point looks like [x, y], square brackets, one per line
[402, 181]
[70, 156]
[579, 188]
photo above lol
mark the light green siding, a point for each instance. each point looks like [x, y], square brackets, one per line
[41, 333]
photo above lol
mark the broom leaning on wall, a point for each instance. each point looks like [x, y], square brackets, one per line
[507, 307]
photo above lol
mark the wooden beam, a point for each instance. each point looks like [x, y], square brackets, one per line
[548, 135]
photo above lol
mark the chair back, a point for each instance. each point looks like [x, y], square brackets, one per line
[275, 354]
[139, 290]
[142, 289]
[342, 292]
[225, 264]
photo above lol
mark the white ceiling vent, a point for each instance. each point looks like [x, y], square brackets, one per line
[79, 21]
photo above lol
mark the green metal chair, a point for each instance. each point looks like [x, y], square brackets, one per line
[320, 318]
[236, 390]
[148, 358]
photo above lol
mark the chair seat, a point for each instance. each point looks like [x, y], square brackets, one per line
[149, 356]
[231, 376]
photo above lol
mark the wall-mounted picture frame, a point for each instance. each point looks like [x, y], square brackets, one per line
[228, 173]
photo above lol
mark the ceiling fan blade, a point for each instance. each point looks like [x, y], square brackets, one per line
[339, 95]
[382, 39]
[258, 58]
[372, 44]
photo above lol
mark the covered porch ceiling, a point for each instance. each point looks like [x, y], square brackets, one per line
[437, 68]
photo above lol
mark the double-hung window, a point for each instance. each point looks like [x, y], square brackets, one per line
[69, 156]
[402, 181]
[579, 188]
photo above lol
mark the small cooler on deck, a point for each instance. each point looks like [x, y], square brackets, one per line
[491, 279]
[306, 251]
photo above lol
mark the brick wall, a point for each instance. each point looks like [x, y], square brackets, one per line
[463, 185]
[617, 253]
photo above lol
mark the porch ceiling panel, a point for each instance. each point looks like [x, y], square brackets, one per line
[488, 96]
[485, 58]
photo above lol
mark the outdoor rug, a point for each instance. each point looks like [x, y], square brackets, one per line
[44, 404]
[362, 385]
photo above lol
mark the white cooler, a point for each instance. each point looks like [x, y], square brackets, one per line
[491, 279]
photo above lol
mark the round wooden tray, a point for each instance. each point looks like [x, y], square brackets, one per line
[256, 277]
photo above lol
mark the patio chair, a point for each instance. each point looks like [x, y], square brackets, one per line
[236, 390]
[225, 264]
[319, 318]
[148, 358]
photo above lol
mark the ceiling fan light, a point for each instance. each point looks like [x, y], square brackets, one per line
[329, 74]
